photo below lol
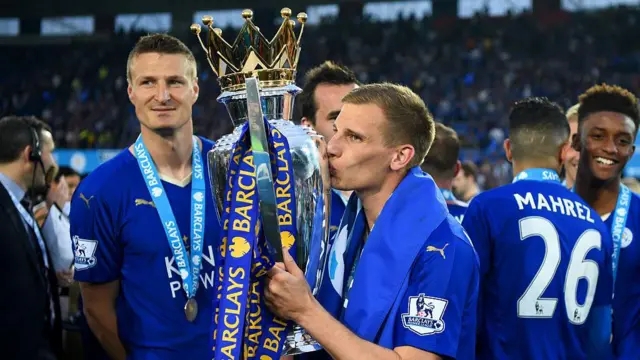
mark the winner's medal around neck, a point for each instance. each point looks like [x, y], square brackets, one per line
[188, 264]
[191, 309]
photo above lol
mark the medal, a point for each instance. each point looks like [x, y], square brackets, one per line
[191, 309]
[189, 270]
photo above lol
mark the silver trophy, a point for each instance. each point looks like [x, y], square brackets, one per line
[257, 80]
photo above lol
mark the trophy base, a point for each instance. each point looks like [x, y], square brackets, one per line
[299, 342]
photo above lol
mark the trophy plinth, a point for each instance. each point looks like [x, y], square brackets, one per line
[273, 65]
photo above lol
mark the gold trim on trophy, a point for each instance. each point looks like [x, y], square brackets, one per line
[273, 62]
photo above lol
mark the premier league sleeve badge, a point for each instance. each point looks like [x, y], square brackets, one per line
[425, 315]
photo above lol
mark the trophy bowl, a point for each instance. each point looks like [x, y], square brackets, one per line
[257, 73]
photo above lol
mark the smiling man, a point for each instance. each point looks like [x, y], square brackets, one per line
[402, 276]
[536, 241]
[607, 127]
[143, 245]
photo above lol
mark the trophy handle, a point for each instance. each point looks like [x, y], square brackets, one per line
[264, 177]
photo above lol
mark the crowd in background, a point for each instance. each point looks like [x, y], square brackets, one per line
[468, 73]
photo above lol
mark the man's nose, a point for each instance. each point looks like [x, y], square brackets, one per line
[610, 146]
[333, 147]
[162, 92]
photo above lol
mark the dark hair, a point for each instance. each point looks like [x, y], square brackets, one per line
[326, 73]
[16, 133]
[469, 168]
[609, 98]
[162, 44]
[537, 128]
[409, 120]
[442, 158]
[65, 171]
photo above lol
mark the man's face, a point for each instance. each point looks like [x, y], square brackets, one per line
[461, 182]
[42, 177]
[163, 89]
[358, 157]
[328, 100]
[571, 156]
[606, 144]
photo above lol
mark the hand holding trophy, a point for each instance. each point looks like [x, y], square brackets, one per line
[271, 185]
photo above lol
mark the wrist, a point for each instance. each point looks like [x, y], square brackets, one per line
[307, 316]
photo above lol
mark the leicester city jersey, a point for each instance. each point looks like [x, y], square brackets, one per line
[456, 207]
[626, 302]
[118, 235]
[338, 204]
[545, 262]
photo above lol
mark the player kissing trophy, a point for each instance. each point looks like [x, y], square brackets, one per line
[271, 186]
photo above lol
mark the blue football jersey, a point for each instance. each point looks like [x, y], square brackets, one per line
[118, 235]
[456, 207]
[626, 302]
[338, 204]
[545, 262]
[443, 285]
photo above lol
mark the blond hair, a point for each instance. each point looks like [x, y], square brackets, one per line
[573, 111]
[161, 44]
[409, 120]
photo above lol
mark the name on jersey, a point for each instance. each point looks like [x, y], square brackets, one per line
[554, 204]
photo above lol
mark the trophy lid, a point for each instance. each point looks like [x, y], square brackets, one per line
[273, 62]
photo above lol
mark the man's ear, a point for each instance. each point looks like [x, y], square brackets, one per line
[457, 168]
[507, 149]
[306, 122]
[402, 157]
[575, 142]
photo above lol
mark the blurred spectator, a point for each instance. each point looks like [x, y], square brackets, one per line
[465, 184]
[632, 183]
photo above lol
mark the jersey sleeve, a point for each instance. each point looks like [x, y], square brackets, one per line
[97, 252]
[441, 299]
[604, 289]
[477, 227]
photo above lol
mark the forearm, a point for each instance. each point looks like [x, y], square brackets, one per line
[104, 325]
[340, 342]
[599, 346]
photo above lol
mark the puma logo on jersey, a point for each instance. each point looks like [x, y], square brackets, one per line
[144, 202]
[86, 201]
[431, 248]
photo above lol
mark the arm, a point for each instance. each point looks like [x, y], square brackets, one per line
[600, 319]
[100, 311]
[98, 261]
[599, 323]
[288, 295]
[342, 344]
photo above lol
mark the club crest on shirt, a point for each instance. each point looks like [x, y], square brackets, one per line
[85, 251]
[425, 315]
[627, 238]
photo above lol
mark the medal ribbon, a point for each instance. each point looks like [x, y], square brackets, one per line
[617, 225]
[243, 327]
[189, 267]
[537, 174]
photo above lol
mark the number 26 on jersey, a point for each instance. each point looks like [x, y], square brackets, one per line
[531, 304]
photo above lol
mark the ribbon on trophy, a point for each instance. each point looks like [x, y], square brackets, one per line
[243, 327]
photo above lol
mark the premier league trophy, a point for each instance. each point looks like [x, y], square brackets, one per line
[256, 77]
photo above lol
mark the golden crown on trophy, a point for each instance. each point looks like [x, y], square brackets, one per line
[273, 62]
